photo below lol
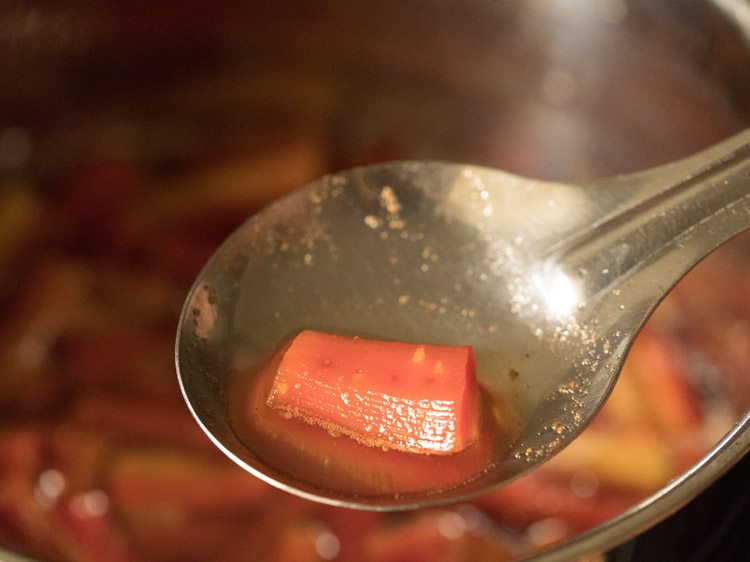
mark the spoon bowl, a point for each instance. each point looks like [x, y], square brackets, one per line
[549, 282]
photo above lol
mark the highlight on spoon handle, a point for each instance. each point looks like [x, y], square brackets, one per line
[661, 222]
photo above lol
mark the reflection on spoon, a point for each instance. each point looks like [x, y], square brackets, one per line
[549, 283]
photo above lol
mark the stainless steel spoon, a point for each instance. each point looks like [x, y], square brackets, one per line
[549, 282]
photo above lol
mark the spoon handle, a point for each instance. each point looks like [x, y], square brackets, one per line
[655, 225]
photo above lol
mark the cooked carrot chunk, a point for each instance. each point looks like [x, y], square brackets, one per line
[402, 396]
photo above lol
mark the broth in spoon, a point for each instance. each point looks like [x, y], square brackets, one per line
[549, 283]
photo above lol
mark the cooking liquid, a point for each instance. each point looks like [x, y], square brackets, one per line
[329, 461]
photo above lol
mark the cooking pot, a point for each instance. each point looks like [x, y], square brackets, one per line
[134, 137]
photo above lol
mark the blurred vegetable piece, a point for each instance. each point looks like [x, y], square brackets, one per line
[174, 535]
[435, 536]
[48, 306]
[90, 527]
[76, 456]
[22, 213]
[95, 199]
[146, 480]
[632, 459]
[130, 418]
[240, 182]
[537, 497]
[670, 403]
[408, 397]
[24, 523]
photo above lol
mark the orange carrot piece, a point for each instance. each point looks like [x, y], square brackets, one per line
[402, 396]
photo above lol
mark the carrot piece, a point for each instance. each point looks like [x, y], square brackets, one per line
[311, 454]
[407, 397]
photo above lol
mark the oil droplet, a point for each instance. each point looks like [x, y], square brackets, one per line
[389, 200]
[557, 427]
[372, 221]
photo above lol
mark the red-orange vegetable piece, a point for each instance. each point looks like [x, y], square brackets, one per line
[408, 397]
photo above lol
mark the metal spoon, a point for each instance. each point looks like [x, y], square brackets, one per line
[549, 282]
